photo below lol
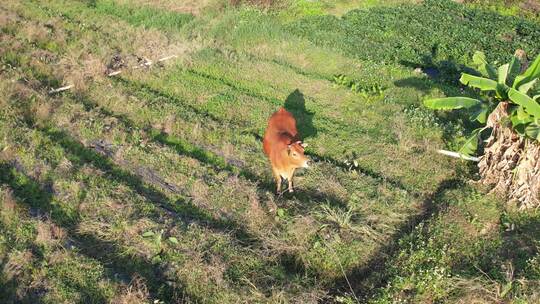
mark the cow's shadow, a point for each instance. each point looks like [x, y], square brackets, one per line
[296, 104]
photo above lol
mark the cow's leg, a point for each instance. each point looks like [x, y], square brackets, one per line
[291, 189]
[277, 177]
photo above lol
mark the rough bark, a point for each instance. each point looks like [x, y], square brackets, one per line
[511, 163]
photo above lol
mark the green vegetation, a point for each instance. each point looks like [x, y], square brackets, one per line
[504, 84]
[412, 34]
[511, 112]
[142, 16]
[152, 186]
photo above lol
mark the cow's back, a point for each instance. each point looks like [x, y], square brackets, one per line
[280, 132]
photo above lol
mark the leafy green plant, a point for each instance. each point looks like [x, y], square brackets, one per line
[281, 214]
[355, 86]
[504, 84]
[158, 237]
[158, 242]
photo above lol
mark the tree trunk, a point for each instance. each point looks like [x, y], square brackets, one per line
[511, 163]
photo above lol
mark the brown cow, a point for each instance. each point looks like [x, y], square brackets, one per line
[283, 148]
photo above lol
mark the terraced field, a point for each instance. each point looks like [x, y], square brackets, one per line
[150, 186]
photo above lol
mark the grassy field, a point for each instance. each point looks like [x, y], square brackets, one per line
[151, 186]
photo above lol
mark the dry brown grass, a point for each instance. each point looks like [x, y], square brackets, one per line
[486, 290]
[8, 152]
[8, 19]
[135, 293]
[49, 234]
[227, 151]
[531, 5]
[242, 194]
[84, 66]
[44, 56]
[58, 257]
[19, 91]
[133, 233]
[41, 112]
[125, 232]
[168, 124]
[8, 203]
[80, 70]
[303, 229]
[200, 193]
[205, 270]
[261, 3]
[16, 262]
[34, 32]
[4, 88]
[404, 134]
[331, 186]
[87, 62]
[256, 218]
[194, 7]
[477, 291]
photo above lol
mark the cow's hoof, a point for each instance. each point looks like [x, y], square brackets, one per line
[291, 190]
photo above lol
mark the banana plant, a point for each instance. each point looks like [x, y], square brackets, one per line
[502, 84]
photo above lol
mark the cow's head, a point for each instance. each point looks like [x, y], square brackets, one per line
[295, 152]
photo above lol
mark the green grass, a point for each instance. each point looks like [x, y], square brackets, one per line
[152, 185]
[142, 16]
